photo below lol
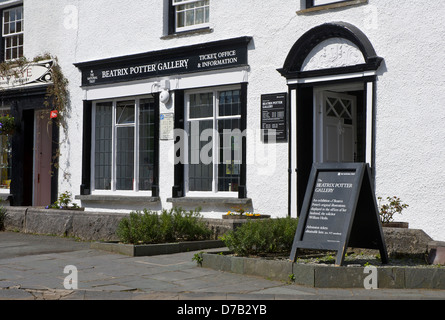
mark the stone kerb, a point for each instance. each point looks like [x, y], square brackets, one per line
[85, 225]
[327, 276]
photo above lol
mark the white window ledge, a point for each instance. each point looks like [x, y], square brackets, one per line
[333, 6]
[117, 198]
[187, 33]
[210, 200]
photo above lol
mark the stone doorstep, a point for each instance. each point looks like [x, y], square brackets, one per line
[436, 252]
[156, 249]
[323, 276]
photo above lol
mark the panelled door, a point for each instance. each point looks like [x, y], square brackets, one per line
[42, 159]
[336, 133]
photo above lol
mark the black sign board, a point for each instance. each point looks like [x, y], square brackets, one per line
[273, 117]
[196, 58]
[339, 211]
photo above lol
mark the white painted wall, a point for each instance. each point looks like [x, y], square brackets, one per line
[410, 131]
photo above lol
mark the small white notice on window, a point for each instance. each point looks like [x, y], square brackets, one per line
[166, 126]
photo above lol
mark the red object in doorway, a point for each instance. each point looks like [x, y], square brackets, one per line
[54, 114]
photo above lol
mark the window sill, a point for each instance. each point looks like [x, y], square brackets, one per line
[187, 33]
[5, 197]
[333, 6]
[210, 200]
[117, 198]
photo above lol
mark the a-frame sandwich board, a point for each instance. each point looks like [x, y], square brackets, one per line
[339, 211]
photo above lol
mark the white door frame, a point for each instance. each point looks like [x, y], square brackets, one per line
[320, 117]
[367, 86]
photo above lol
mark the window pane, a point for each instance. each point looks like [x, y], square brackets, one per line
[19, 13]
[124, 158]
[200, 157]
[201, 105]
[103, 146]
[230, 154]
[125, 112]
[229, 103]
[180, 19]
[146, 143]
[189, 17]
[207, 14]
[199, 18]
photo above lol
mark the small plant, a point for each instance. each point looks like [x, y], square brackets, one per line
[291, 278]
[3, 215]
[237, 210]
[7, 125]
[170, 225]
[241, 211]
[393, 206]
[63, 202]
[198, 258]
[262, 236]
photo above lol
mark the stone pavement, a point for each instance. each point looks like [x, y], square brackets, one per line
[32, 268]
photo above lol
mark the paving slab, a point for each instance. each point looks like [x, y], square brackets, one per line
[37, 273]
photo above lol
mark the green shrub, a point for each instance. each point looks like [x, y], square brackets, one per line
[171, 225]
[257, 237]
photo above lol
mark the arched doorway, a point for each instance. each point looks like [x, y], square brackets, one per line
[331, 73]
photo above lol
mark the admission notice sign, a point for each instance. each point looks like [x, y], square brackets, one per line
[273, 117]
[339, 211]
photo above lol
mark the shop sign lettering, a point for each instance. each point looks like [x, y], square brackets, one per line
[157, 64]
[29, 75]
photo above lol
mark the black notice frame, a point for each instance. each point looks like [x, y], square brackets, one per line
[339, 211]
[274, 117]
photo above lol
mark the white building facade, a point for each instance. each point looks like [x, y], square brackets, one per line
[172, 102]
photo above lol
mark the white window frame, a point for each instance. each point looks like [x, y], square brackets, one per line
[177, 3]
[215, 142]
[10, 35]
[135, 191]
[318, 3]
